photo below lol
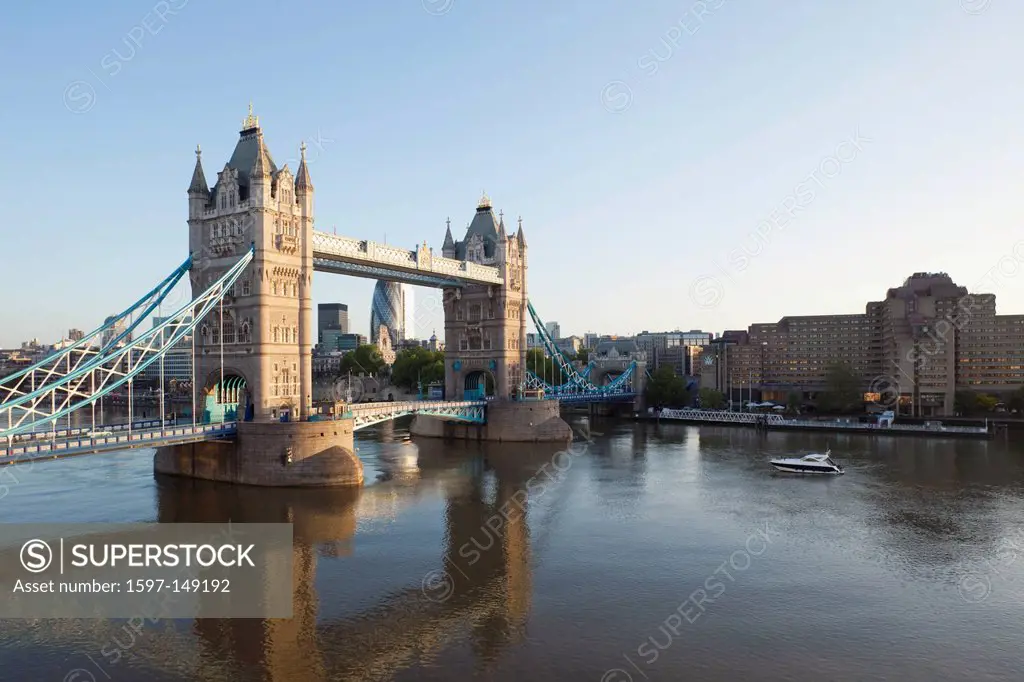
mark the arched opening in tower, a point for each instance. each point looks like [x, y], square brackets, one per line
[227, 400]
[478, 385]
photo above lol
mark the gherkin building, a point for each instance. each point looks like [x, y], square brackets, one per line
[387, 308]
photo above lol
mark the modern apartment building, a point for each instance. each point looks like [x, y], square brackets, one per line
[928, 339]
[677, 349]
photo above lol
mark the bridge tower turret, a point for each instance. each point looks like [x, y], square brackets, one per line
[198, 190]
[485, 325]
[304, 201]
[261, 338]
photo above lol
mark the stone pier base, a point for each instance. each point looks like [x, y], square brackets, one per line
[507, 421]
[279, 454]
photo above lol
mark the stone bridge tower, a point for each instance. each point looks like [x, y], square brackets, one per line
[253, 357]
[485, 325]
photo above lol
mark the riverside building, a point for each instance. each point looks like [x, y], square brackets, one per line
[928, 339]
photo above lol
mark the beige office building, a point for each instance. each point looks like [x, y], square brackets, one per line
[928, 339]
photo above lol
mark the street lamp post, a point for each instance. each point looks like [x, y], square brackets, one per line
[750, 388]
[764, 348]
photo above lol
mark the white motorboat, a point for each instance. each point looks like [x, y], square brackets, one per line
[809, 464]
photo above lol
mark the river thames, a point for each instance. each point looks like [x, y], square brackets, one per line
[648, 552]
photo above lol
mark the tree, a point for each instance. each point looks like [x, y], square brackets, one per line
[544, 367]
[1016, 400]
[665, 389]
[413, 365]
[964, 403]
[794, 401]
[842, 389]
[987, 403]
[365, 359]
[583, 355]
[710, 399]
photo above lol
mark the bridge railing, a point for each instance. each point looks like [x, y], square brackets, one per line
[721, 416]
[64, 433]
[154, 436]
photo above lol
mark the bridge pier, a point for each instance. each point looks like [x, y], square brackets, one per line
[527, 421]
[274, 454]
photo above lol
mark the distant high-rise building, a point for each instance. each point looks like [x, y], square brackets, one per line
[387, 309]
[554, 329]
[590, 340]
[408, 303]
[115, 331]
[333, 340]
[331, 316]
[75, 335]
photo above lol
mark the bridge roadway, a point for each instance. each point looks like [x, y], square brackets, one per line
[152, 434]
[488, 598]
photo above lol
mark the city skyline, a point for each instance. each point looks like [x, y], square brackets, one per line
[660, 120]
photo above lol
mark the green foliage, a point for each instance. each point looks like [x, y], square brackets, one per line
[794, 402]
[418, 364]
[842, 390]
[665, 389]
[583, 355]
[544, 367]
[987, 403]
[1016, 400]
[710, 399]
[363, 360]
[964, 403]
[969, 403]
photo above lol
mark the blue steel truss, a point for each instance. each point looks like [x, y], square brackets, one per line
[368, 414]
[58, 365]
[577, 386]
[117, 366]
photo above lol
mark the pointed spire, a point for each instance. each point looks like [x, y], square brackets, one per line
[250, 121]
[198, 184]
[520, 236]
[261, 166]
[302, 181]
[485, 202]
[449, 243]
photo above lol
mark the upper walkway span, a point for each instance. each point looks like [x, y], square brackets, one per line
[420, 267]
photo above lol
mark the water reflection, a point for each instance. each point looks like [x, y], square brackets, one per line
[481, 581]
[436, 569]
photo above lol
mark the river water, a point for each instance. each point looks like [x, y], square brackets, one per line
[649, 552]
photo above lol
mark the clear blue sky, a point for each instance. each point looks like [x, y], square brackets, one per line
[418, 112]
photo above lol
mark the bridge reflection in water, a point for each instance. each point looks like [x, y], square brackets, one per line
[481, 584]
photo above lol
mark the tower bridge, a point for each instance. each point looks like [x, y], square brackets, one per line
[253, 253]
